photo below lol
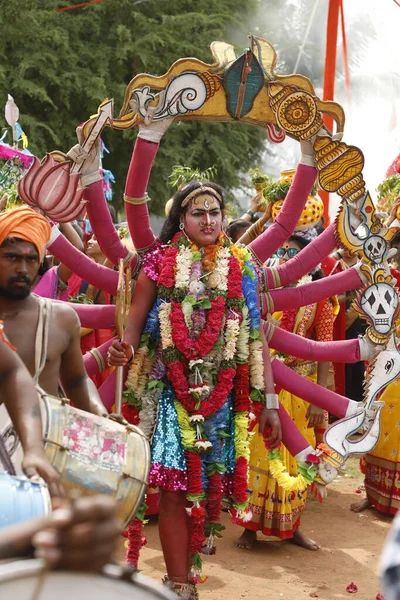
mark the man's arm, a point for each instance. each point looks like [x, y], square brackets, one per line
[77, 385]
[20, 397]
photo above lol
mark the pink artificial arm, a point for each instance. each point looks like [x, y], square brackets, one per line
[314, 291]
[347, 351]
[95, 316]
[92, 366]
[102, 225]
[136, 185]
[266, 244]
[305, 261]
[269, 385]
[101, 277]
[307, 390]
[292, 439]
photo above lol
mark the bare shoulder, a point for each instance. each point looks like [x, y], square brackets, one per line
[64, 314]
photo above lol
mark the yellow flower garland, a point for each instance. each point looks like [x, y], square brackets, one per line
[287, 482]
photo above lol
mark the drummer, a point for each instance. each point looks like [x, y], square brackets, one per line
[20, 398]
[45, 334]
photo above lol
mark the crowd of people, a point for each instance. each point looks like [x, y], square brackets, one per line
[241, 346]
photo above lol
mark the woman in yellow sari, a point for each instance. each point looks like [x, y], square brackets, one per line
[274, 511]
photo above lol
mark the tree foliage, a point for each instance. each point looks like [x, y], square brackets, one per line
[59, 66]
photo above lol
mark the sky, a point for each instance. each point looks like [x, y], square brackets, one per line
[373, 115]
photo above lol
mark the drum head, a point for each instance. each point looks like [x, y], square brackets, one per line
[26, 580]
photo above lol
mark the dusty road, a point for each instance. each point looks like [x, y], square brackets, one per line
[351, 545]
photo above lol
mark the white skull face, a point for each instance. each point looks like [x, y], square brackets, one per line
[379, 302]
[374, 248]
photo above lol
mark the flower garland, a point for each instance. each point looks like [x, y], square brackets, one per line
[307, 471]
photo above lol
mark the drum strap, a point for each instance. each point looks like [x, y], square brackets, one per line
[5, 459]
[42, 337]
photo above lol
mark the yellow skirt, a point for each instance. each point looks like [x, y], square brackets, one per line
[276, 512]
[382, 465]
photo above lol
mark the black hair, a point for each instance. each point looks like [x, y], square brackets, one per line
[236, 229]
[171, 223]
[17, 240]
[395, 240]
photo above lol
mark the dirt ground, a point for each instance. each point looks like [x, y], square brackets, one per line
[351, 546]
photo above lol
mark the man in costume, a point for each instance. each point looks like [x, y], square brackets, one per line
[28, 319]
[20, 398]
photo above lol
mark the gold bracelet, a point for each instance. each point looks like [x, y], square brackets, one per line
[275, 277]
[268, 331]
[270, 303]
[143, 200]
[99, 359]
[129, 258]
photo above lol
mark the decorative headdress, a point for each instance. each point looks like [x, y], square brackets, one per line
[204, 189]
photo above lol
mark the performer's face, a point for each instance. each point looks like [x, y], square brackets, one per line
[203, 220]
[19, 265]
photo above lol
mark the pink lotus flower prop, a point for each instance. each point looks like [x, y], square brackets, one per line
[50, 188]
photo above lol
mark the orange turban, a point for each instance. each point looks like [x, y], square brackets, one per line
[24, 223]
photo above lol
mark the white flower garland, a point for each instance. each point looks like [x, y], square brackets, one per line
[222, 268]
[256, 367]
[243, 338]
[164, 315]
[183, 267]
[232, 329]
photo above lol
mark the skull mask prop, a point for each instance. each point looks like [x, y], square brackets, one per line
[379, 302]
[374, 248]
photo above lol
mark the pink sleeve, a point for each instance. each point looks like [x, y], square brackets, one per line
[107, 389]
[315, 291]
[136, 185]
[91, 365]
[305, 261]
[302, 387]
[266, 244]
[269, 385]
[101, 277]
[292, 439]
[347, 351]
[95, 316]
[102, 225]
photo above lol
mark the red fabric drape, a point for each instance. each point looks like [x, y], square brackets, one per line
[329, 77]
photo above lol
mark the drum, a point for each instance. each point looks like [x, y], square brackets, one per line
[21, 499]
[92, 454]
[25, 580]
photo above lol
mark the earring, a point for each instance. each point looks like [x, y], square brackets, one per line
[181, 226]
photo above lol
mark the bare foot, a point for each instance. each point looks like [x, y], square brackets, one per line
[246, 540]
[305, 542]
[360, 505]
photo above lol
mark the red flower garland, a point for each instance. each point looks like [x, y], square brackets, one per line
[240, 480]
[241, 385]
[166, 277]
[191, 349]
[136, 541]
[235, 279]
[224, 384]
[193, 464]
[214, 498]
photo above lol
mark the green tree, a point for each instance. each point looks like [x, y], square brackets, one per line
[60, 65]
